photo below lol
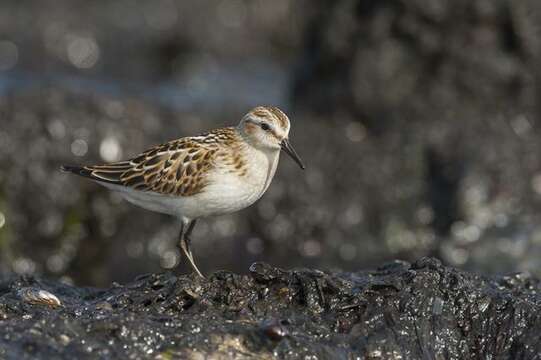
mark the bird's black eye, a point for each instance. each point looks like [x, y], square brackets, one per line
[265, 126]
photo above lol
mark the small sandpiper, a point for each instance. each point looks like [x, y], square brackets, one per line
[219, 172]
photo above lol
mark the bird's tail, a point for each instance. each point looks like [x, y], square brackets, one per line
[77, 170]
[109, 173]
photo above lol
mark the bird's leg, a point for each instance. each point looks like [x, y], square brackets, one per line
[188, 235]
[184, 243]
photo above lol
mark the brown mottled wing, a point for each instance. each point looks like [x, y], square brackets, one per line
[176, 168]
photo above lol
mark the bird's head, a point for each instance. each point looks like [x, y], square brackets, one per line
[267, 128]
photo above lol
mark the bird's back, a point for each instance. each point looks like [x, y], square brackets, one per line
[178, 167]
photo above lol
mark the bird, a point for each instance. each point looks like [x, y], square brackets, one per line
[218, 172]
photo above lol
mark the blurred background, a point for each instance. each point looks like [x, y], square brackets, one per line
[418, 120]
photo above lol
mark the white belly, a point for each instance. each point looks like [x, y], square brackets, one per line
[228, 195]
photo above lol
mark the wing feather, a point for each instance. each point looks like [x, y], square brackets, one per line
[179, 167]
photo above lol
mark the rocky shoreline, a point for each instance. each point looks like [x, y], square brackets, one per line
[398, 311]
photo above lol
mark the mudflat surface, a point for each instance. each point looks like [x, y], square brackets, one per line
[400, 310]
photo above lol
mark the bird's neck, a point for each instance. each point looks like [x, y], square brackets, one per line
[263, 163]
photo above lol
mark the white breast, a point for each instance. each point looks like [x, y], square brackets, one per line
[228, 192]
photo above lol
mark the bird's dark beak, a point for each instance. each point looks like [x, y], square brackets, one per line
[288, 149]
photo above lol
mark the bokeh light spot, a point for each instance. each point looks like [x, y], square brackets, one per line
[310, 248]
[536, 183]
[24, 266]
[255, 246]
[355, 132]
[56, 263]
[83, 52]
[353, 215]
[465, 233]
[521, 126]
[225, 227]
[114, 109]
[110, 149]
[57, 129]
[169, 259]
[79, 147]
[424, 215]
[9, 55]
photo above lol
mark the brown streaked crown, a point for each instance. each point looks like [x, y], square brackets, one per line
[272, 113]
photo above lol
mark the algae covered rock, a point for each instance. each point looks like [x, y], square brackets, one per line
[400, 310]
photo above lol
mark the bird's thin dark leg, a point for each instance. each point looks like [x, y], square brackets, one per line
[184, 244]
[188, 235]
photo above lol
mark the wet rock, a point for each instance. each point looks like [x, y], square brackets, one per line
[400, 310]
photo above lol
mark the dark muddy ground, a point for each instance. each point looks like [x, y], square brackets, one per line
[401, 310]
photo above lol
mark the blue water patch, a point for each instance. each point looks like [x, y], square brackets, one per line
[211, 87]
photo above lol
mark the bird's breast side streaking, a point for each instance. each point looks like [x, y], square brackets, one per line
[222, 171]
